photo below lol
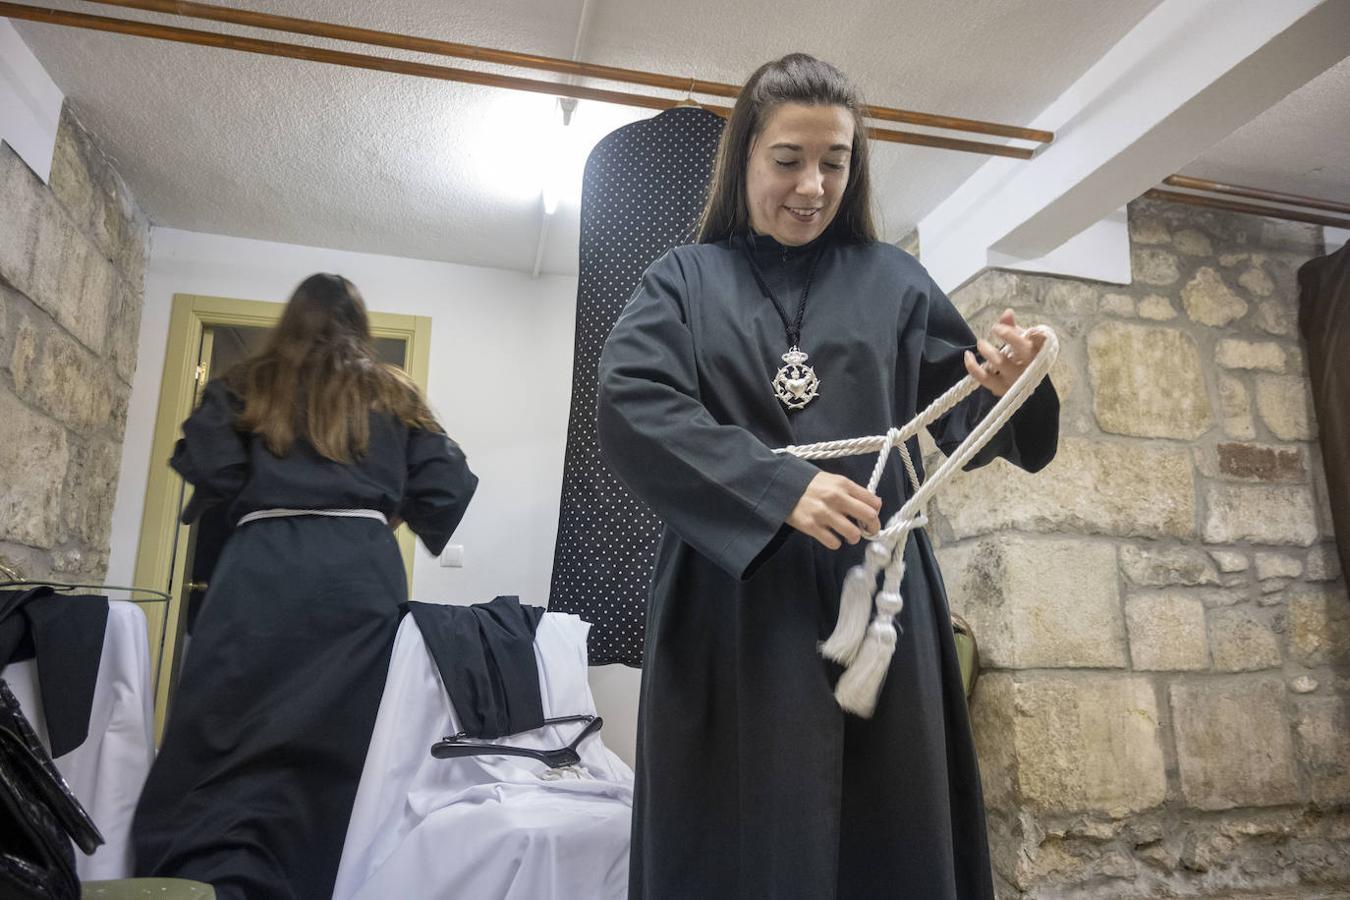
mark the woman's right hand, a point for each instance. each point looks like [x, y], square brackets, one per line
[831, 509]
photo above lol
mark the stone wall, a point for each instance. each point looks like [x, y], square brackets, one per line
[72, 273]
[1165, 631]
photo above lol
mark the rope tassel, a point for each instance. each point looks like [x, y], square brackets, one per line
[866, 650]
[860, 685]
[855, 609]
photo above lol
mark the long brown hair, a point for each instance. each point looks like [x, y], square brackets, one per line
[318, 378]
[796, 78]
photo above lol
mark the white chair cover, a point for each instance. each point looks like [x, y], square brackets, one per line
[486, 827]
[107, 771]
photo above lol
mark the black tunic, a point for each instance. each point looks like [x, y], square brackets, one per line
[1324, 322]
[268, 729]
[750, 780]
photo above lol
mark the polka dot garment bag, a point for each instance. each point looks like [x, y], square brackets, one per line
[642, 193]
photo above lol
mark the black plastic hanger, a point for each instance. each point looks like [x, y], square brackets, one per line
[456, 746]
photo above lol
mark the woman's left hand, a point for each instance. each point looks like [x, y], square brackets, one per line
[1002, 367]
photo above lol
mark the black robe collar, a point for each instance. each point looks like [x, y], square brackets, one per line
[768, 248]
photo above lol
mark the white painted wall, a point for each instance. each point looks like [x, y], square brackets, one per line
[1101, 252]
[30, 103]
[500, 381]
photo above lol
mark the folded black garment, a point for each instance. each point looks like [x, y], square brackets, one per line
[485, 654]
[65, 633]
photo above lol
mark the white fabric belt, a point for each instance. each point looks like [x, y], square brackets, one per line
[330, 513]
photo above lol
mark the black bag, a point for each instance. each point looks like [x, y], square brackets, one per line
[39, 816]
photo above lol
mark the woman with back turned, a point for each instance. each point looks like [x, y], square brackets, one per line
[318, 448]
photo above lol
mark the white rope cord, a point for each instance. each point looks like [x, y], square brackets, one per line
[893, 440]
[866, 650]
[855, 446]
[327, 513]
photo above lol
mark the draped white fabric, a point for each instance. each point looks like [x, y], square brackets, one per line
[107, 771]
[486, 827]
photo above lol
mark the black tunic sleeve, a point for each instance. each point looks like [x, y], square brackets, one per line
[211, 456]
[1030, 438]
[438, 489]
[714, 484]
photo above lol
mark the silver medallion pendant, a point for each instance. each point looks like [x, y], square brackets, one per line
[796, 383]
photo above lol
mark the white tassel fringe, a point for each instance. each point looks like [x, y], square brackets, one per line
[860, 685]
[855, 609]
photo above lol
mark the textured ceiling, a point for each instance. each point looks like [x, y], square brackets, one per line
[1301, 145]
[283, 150]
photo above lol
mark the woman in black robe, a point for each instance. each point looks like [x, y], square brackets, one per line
[269, 726]
[751, 782]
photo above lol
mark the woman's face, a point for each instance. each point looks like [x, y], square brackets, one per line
[797, 172]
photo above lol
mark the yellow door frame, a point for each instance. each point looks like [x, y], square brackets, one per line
[162, 549]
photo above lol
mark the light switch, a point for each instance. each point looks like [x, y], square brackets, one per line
[452, 557]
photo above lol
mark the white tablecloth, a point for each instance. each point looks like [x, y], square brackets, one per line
[488, 828]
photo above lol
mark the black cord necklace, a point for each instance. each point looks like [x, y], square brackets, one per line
[796, 383]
